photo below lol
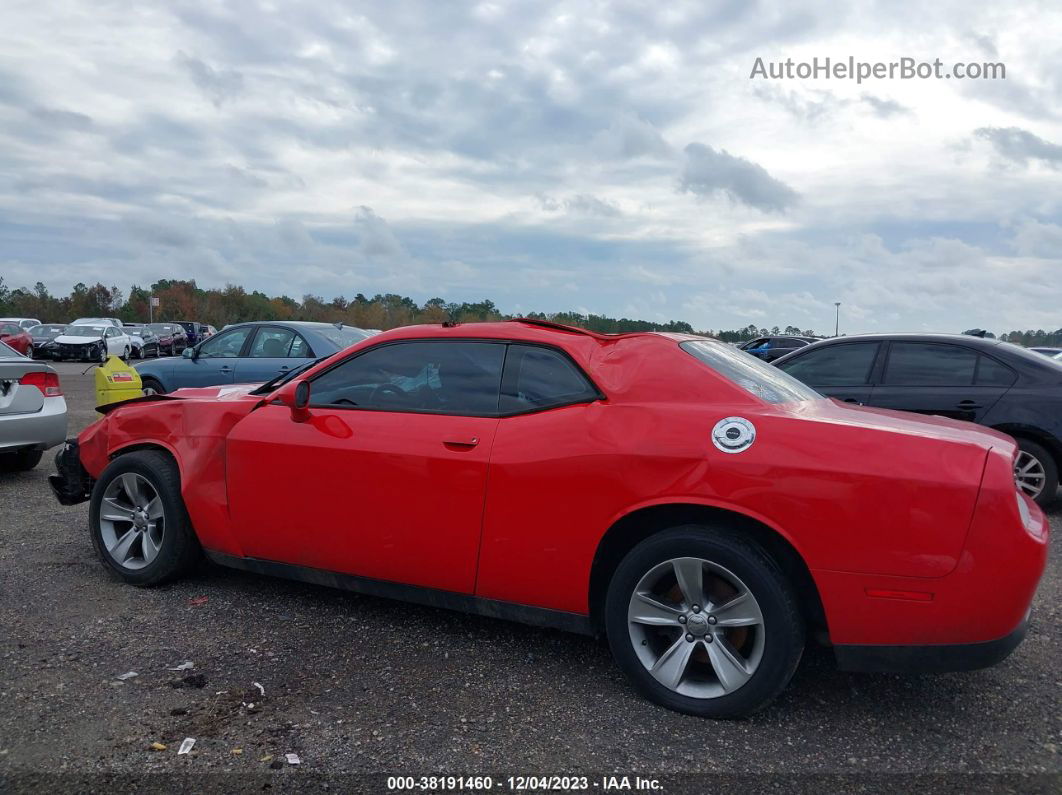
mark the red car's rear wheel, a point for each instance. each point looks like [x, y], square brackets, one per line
[704, 622]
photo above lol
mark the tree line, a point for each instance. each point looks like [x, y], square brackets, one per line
[184, 300]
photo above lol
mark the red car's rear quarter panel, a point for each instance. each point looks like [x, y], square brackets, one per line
[983, 599]
[890, 500]
[560, 479]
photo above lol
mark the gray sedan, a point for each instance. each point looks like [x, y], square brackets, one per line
[32, 410]
[248, 353]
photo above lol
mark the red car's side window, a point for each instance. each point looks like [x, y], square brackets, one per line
[537, 378]
[458, 377]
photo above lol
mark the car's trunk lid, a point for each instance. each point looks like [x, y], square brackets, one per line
[16, 398]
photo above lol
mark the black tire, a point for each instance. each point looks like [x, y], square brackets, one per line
[1041, 454]
[102, 356]
[179, 549]
[20, 461]
[783, 624]
[150, 383]
[126, 355]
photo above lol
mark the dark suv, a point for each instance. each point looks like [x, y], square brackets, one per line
[771, 348]
[992, 383]
[196, 332]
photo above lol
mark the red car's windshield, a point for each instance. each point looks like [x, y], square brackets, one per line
[751, 374]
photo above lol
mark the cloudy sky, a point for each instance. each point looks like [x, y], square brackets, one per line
[609, 157]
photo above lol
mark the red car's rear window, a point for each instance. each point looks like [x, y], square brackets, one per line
[751, 374]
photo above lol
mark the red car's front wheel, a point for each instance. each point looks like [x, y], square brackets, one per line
[138, 522]
[704, 622]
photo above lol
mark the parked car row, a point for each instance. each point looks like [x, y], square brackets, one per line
[89, 338]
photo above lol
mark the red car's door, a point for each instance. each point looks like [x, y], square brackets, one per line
[387, 478]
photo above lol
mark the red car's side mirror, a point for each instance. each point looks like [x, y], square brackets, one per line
[298, 400]
[300, 411]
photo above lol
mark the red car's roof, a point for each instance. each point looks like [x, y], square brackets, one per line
[530, 329]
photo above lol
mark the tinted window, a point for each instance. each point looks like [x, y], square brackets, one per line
[537, 378]
[272, 343]
[992, 373]
[930, 364]
[751, 374]
[227, 345]
[10, 328]
[445, 377]
[846, 364]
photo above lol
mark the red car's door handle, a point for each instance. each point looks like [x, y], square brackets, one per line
[462, 441]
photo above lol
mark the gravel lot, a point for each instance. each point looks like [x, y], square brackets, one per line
[358, 685]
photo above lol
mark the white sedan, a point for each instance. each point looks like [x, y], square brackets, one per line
[92, 343]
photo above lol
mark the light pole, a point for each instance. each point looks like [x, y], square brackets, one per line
[837, 320]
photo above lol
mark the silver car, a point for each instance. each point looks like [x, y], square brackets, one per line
[32, 410]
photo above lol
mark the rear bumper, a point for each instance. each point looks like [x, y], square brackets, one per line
[40, 430]
[929, 659]
[71, 484]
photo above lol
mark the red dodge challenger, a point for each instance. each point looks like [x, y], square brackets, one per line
[703, 510]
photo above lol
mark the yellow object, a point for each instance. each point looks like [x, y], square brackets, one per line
[157, 747]
[116, 380]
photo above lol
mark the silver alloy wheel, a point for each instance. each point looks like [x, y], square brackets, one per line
[132, 521]
[1029, 474]
[696, 627]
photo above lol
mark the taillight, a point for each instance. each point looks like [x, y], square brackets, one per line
[47, 383]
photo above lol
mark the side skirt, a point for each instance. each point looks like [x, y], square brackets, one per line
[430, 597]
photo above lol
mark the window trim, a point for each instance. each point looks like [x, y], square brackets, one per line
[496, 414]
[872, 374]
